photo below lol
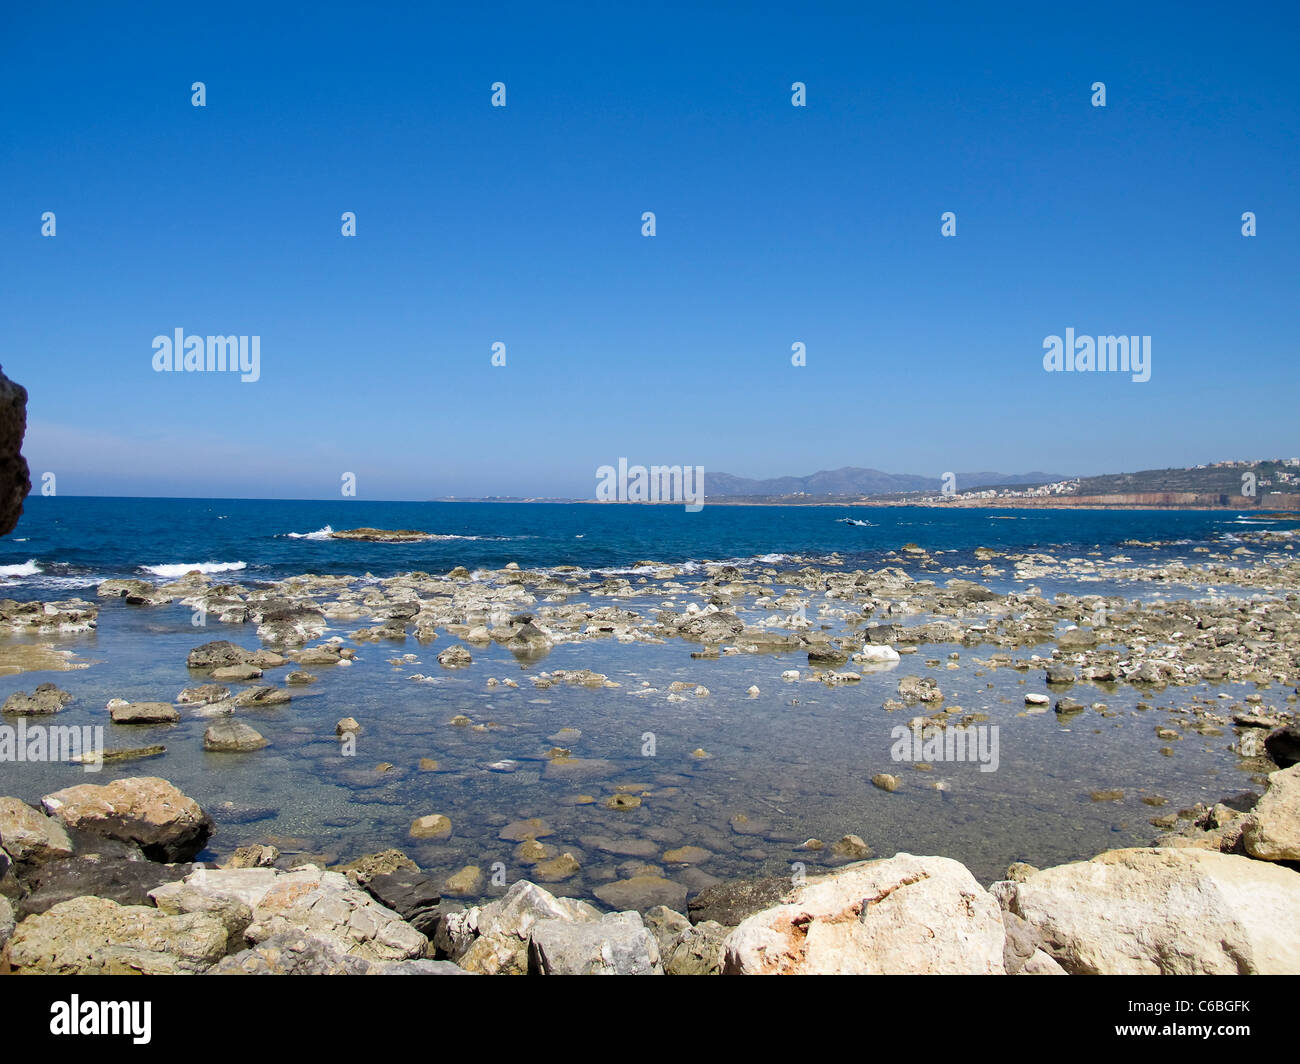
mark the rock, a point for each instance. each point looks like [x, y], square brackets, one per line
[95, 936]
[1272, 830]
[1283, 745]
[919, 689]
[144, 810]
[466, 883]
[15, 477]
[298, 953]
[306, 899]
[262, 697]
[253, 856]
[363, 869]
[433, 826]
[412, 895]
[557, 869]
[903, 915]
[1060, 675]
[687, 855]
[851, 846]
[686, 948]
[1022, 942]
[220, 653]
[204, 694]
[493, 939]
[519, 830]
[126, 881]
[1041, 964]
[46, 699]
[616, 944]
[6, 923]
[232, 736]
[246, 671]
[877, 654]
[642, 892]
[144, 712]
[1077, 639]
[29, 836]
[885, 781]
[1163, 911]
[347, 726]
[728, 903]
[455, 657]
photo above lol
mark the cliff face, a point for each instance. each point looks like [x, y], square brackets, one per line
[15, 478]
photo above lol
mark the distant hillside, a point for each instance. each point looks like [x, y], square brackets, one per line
[1224, 479]
[855, 481]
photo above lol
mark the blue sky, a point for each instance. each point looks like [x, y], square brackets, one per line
[522, 224]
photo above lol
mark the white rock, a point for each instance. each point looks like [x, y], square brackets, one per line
[904, 915]
[1175, 911]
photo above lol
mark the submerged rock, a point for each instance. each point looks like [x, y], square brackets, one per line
[233, 736]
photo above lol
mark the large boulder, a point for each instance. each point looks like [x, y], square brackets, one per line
[307, 899]
[124, 880]
[15, 477]
[144, 810]
[493, 939]
[616, 944]
[96, 936]
[1165, 911]
[29, 836]
[1272, 830]
[904, 915]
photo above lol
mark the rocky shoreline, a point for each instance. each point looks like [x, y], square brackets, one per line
[98, 881]
[99, 878]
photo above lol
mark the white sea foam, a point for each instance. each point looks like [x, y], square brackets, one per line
[173, 571]
[328, 533]
[28, 568]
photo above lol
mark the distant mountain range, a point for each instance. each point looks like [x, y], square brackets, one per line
[854, 481]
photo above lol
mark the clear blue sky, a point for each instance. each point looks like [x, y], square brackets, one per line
[522, 225]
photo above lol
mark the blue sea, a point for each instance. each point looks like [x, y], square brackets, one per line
[793, 762]
[73, 543]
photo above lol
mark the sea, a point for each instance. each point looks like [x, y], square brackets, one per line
[746, 779]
